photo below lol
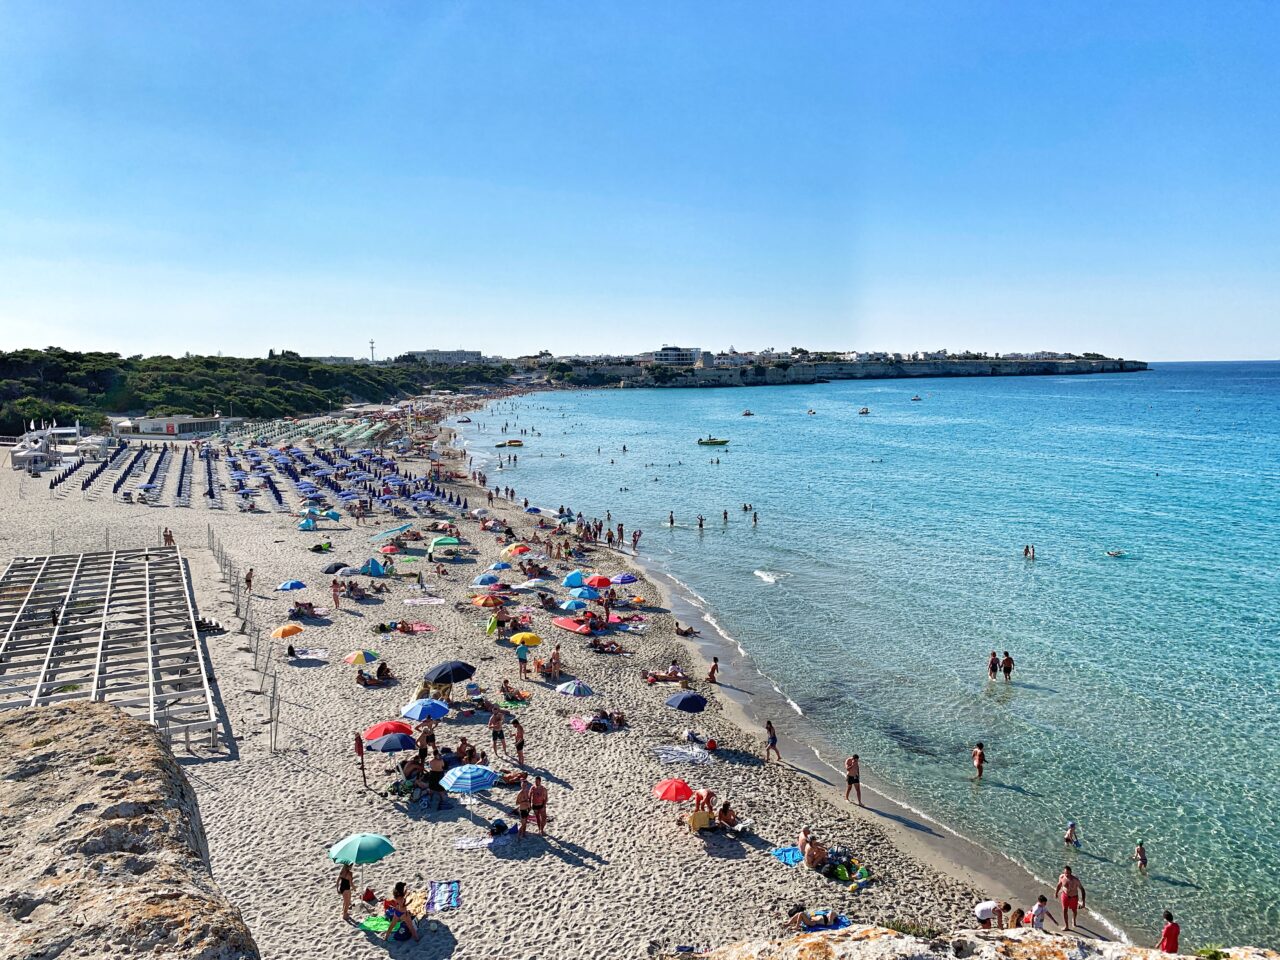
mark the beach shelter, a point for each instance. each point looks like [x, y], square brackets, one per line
[421, 710]
[386, 727]
[598, 582]
[308, 525]
[451, 671]
[382, 535]
[333, 515]
[334, 567]
[574, 688]
[358, 658]
[528, 639]
[288, 630]
[623, 579]
[373, 568]
[688, 701]
[349, 572]
[439, 542]
[574, 579]
[585, 593]
[674, 790]
[292, 585]
[392, 743]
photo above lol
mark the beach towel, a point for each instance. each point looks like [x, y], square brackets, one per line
[423, 601]
[788, 856]
[417, 626]
[317, 653]
[480, 843]
[578, 724]
[695, 755]
[515, 703]
[444, 895]
[375, 924]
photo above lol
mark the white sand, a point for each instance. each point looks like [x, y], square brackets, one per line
[616, 876]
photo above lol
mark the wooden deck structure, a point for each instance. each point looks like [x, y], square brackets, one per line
[118, 626]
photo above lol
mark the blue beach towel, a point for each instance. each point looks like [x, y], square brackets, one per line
[444, 895]
[788, 856]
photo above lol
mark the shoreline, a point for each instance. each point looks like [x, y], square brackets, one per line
[913, 831]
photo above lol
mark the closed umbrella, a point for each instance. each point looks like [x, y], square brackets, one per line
[688, 701]
[334, 567]
[674, 790]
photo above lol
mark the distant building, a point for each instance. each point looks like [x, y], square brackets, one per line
[730, 359]
[177, 425]
[446, 358]
[337, 361]
[673, 356]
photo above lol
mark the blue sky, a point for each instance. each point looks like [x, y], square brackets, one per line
[595, 177]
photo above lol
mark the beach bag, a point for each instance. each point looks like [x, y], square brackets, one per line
[368, 896]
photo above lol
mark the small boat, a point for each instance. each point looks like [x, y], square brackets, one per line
[916, 398]
[712, 442]
[747, 413]
[811, 412]
[515, 443]
[864, 411]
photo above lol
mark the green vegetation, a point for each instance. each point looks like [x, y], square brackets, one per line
[913, 929]
[1212, 951]
[62, 385]
[102, 760]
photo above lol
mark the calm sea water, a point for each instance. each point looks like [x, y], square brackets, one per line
[888, 563]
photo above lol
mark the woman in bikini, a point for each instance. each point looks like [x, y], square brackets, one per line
[345, 882]
[395, 910]
[772, 746]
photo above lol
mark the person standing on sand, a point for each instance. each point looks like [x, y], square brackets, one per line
[979, 758]
[1040, 911]
[1006, 667]
[518, 730]
[1169, 935]
[852, 777]
[248, 582]
[522, 656]
[345, 882]
[335, 590]
[496, 733]
[538, 799]
[715, 668]
[772, 743]
[1071, 894]
[524, 804]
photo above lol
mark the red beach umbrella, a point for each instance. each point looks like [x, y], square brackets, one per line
[599, 582]
[673, 791]
[385, 728]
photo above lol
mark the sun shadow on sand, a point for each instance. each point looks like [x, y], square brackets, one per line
[738, 757]
[438, 944]
[905, 821]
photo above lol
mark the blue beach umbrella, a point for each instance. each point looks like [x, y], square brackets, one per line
[623, 579]
[421, 710]
[688, 701]
[485, 579]
[501, 565]
[585, 593]
[575, 579]
[574, 688]
[292, 585]
[392, 743]
[572, 605]
[469, 778]
[532, 510]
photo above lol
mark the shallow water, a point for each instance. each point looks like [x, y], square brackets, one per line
[888, 563]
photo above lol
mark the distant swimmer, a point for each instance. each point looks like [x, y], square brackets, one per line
[755, 519]
[1115, 553]
[701, 521]
[1140, 857]
[726, 516]
[671, 517]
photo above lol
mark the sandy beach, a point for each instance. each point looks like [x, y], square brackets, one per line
[615, 876]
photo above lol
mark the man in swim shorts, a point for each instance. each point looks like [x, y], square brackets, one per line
[1071, 895]
[852, 777]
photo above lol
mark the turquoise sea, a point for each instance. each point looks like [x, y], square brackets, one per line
[888, 562]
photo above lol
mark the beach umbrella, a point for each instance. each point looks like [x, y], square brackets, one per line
[534, 582]
[500, 565]
[358, 658]
[532, 510]
[307, 525]
[333, 515]
[349, 572]
[288, 630]
[385, 728]
[574, 688]
[334, 567]
[528, 639]
[469, 778]
[445, 542]
[451, 671]
[598, 581]
[479, 512]
[292, 585]
[361, 848]
[574, 579]
[674, 790]
[515, 550]
[485, 579]
[392, 743]
[688, 701]
[572, 605]
[585, 593]
[389, 549]
[623, 579]
[488, 600]
[421, 710]
[392, 532]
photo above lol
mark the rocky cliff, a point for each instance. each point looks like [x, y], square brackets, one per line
[103, 851]
[877, 943]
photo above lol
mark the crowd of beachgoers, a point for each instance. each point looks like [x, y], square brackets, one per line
[493, 738]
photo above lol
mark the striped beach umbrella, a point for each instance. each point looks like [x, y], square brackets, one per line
[358, 658]
[469, 778]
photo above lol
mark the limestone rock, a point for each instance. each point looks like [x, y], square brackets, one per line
[101, 844]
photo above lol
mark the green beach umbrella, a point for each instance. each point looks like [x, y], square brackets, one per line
[445, 542]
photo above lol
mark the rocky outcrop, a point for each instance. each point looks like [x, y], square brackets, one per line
[877, 943]
[101, 844]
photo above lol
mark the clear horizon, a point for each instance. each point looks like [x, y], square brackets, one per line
[873, 176]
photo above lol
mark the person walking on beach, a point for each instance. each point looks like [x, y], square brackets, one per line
[522, 656]
[852, 777]
[345, 882]
[715, 668]
[248, 582]
[1169, 935]
[771, 745]
[538, 799]
[993, 665]
[1071, 894]
[335, 591]
[979, 758]
[1006, 667]
[517, 729]
[1040, 911]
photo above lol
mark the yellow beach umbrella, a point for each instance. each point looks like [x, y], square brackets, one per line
[288, 630]
[528, 639]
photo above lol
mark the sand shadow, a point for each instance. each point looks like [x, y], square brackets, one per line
[905, 821]
[440, 943]
[306, 662]
[737, 757]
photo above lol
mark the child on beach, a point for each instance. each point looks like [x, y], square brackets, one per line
[979, 758]
[1071, 838]
[1040, 911]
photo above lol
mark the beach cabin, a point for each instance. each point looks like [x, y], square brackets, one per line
[34, 451]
